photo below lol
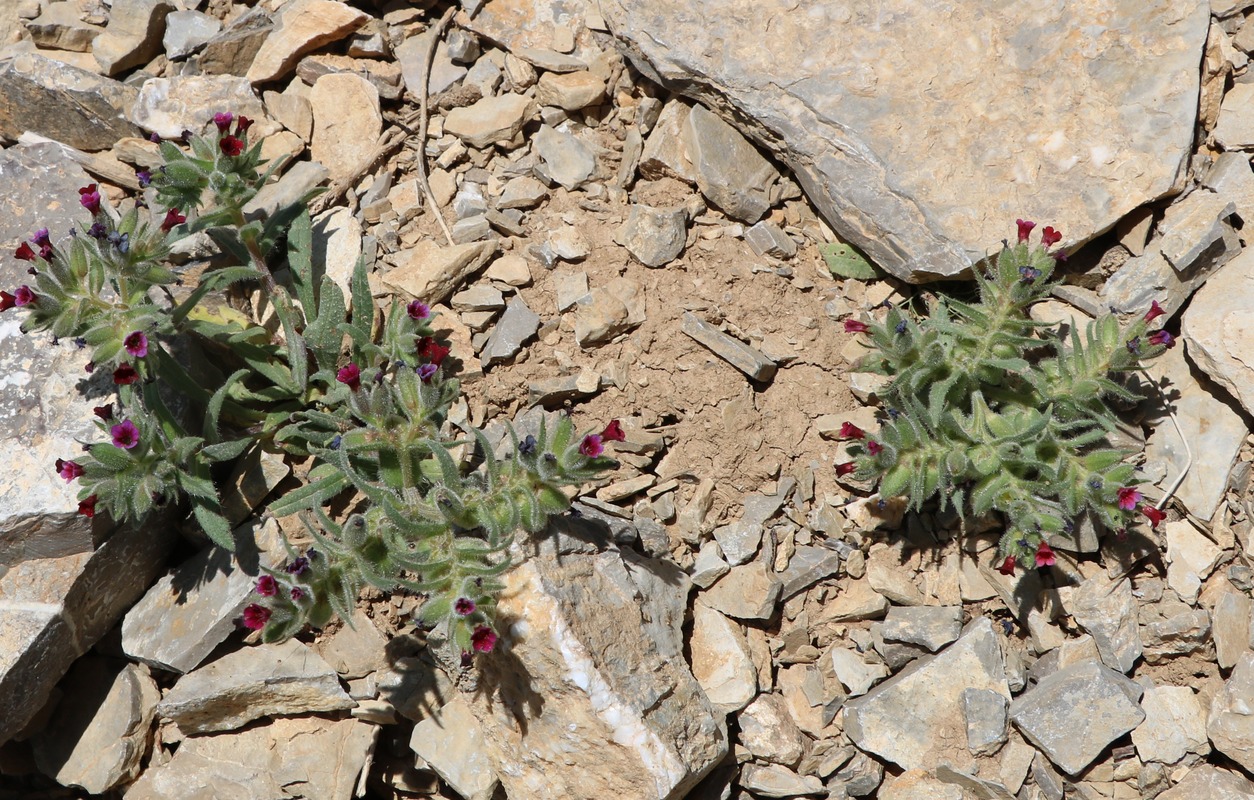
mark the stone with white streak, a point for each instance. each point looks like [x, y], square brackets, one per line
[169, 106]
[925, 200]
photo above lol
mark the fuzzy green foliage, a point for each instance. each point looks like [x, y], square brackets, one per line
[992, 411]
[365, 395]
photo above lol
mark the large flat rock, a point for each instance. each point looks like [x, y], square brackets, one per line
[71, 105]
[922, 130]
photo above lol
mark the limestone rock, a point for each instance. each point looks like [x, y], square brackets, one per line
[1210, 426]
[768, 239]
[1231, 725]
[295, 184]
[133, 35]
[927, 199]
[337, 244]
[1174, 726]
[288, 758]
[1178, 635]
[772, 780]
[931, 627]
[302, 26]
[607, 311]
[597, 635]
[1218, 330]
[855, 674]
[527, 24]
[915, 719]
[65, 103]
[1235, 130]
[188, 31]
[254, 682]
[354, 650]
[730, 171]
[918, 784]
[492, 119]
[564, 159]
[517, 325]
[769, 733]
[99, 730]
[451, 742]
[665, 154]
[985, 713]
[1231, 628]
[747, 592]
[1107, 611]
[1212, 783]
[233, 50]
[432, 273]
[411, 54]
[709, 565]
[747, 359]
[807, 566]
[654, 236]
[571, 91]
[856, 601]
[721, 662]
[169, 106]
[61, 27]
[346, 122]
[1074, 713]
[1190, 558]
[522, 192]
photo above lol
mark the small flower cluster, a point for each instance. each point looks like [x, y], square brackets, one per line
[980, 419]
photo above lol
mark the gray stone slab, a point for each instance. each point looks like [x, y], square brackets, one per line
[65, 103]
[517, 325]
[735, 352]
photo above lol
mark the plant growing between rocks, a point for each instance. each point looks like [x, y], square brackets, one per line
[367, 397]
[987, 414]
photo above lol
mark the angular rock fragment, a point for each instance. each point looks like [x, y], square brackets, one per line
[721, 662]
[1107, 611]
[61, 27]
[768, 239]
[1217, 330]
[735, 352]
[1231, 725]
[451, 742]
[62, 102]
[492, 119]
[1178, 635]
[571, 91]
[730, 171]
[664, 153]
[1073, 714]
[1174, 726]
[768, 732]
[169, 106]
[188, 31]
[1231, 628]
[517, 325]
[985, 712]
[1212, 783]
[748, 592]
[931, 627]
[654, 236]
[346, 123]
[565, 160]
[432, 273]
[301, 26]
[133, 35]
[607, 311]
[1190, 558]
[232, 51]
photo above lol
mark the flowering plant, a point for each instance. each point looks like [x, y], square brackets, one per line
[992, 411]
[366, 398]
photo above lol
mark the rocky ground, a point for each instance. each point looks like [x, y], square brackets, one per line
[640, 202]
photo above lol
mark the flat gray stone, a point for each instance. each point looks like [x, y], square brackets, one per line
[1231, 628]
[65, 103]
[808, 566]
[565, 160]
[1150, 276]
[730, 171]
[709, 565]
[931, 627]
[1211, 783]
[251, 683]
[522, 192]
[747, 359]
[99, 731]
[747, 592]
[985, 712]
[1174, 726]
[1106, 610]
[1218, 331]
[233, 50]
[188, 31]
[295, 184]
[1178, 635]
[739, 541]
[1231, 725]
[654, 236]
[1189, 227]
[518, 324]
[768, 239]
[550, 60]
[916, 718]
[1073, 714]
[923, 212]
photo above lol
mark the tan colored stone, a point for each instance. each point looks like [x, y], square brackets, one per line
[346, 122]
[492, 119]
[432, 273]
[302, 25]
[571, 91]
[721, 662]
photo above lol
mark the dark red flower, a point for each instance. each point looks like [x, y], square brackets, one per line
[873, 447]
[125, 435]
[104, 412]
[267, 586]
[464, 606]
[90, 198]
[613, 432]
[7, 301]
[125, 375]
[231, 146]
[431, 350]
[297, 593]
[172, 218]
[350, 376]
[854, 326]
[223, 120]
[256, 616]
[1153, 515]
[1025, 228]
[483, 639]
[242, 125]
[845, 468]
[1157, 337]
[850, 431]
[1128, 498]
[1155, 311]
[23, 296]
[24, 252]
[591, 446]
[136, 343]
[87, 506]
[69, 470]
[1050, 236]
[1008, 566]
[1044, 556]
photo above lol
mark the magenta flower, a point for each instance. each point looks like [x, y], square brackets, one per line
[850, 431]
[223, 120]
[591, 446]
[256, 616]
[418, 310]
[427, 372]
[845, 468]
[1050, 236]
[1153, 515]
[1008, 566]
[87, 506]
[23, 296]
[267, 586]
[613, 432]
[1044, 556]
[24, 252]
[483, 639]
[873, 447]
[464, 606]
[172, 218]
[1128, 498]
[125, 375]
[1157, 337]
[136, 344]
[231, 146]
[1025, 228]
[350, 376]
[69, 470]
[90, 198]
[125, 435]
[297, 593]
[854, 326]
[1155, 311]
